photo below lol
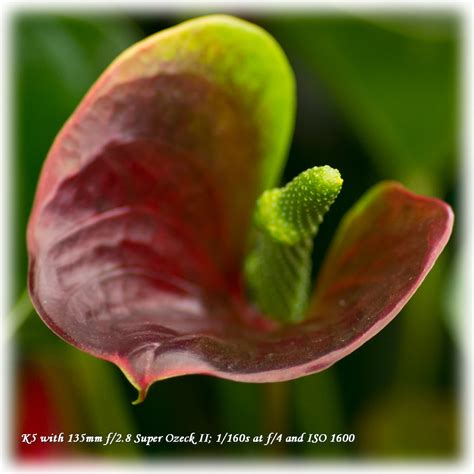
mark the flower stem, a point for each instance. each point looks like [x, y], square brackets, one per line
[275, 412]
[19, 313]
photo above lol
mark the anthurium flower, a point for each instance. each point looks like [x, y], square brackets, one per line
[148, 205]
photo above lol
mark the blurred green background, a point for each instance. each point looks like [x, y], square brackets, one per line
[377, 99]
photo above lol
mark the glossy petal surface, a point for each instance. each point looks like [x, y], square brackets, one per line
[142, 217]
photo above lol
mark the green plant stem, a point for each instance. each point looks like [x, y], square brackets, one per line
[276, 413]
[420, 345]
[19, 313]
[319, 409]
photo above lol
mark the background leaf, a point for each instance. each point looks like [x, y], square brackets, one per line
[395, 80]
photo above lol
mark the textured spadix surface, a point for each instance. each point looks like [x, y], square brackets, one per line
[278, 270]
[142, 219]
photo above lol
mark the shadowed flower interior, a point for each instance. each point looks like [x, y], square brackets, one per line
[143, 219]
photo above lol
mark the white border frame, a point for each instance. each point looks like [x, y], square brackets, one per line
[466, 243]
